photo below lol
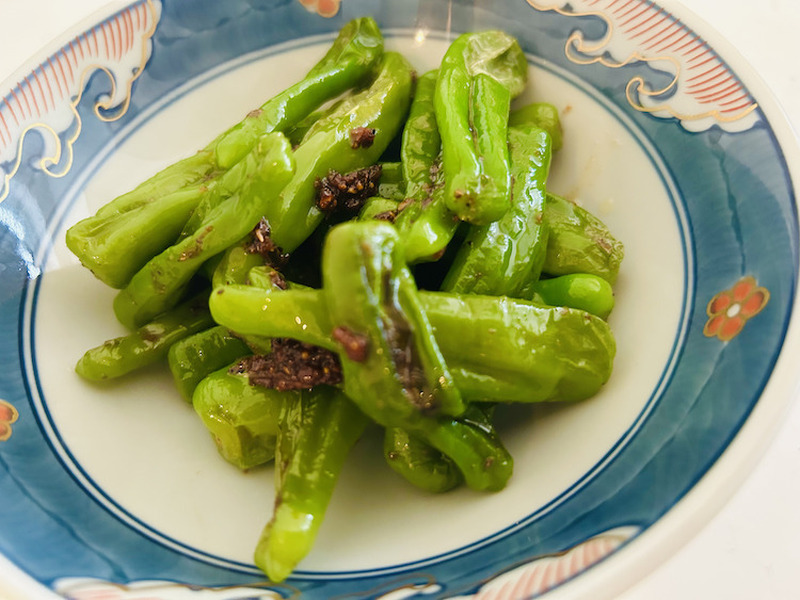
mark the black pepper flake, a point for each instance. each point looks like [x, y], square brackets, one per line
[361, 137]
[345, 194]
[292, 365]
[261, 243]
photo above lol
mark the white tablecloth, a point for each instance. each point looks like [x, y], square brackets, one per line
[751, 549]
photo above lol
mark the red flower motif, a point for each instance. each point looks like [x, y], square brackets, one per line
[8, 415]
[729, 310]
[325, 8]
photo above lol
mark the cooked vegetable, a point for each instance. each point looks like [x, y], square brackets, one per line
[347, 181]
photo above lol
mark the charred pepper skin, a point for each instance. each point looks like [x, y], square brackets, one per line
[505, 257]
[160, 284]
[318, 428]
[125, 233]
[293, 215]
[478, 76]
[148, 344]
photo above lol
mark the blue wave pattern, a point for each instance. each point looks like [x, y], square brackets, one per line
[735, 191]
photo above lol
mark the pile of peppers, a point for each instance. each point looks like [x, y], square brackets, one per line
[456, 282]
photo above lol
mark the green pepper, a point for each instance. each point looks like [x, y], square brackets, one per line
[317, 431]
[148, 344]
[352, 56]
[579, 290]
[243, 419]
[496, 348]
[419, 463]
[505, 257]
[194, 357]
[579, 242]
[479, 74]
[125, 233]
[542, 115]
[366, 284]
[293, 216]
[161, 282]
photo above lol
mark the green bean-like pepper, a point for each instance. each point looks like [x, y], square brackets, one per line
[317, 431]
[160, 283]
[579, 242]
[543, 115]
[418, 462]
[243, 419]
[125, 233]
[353, 54]
[396, 374]
[497, 348]
[425, 223]
[293, 216]
[194, 357]
[504, 257]
[478, 75]
[148, 344]
[578, 290]
[367, 284]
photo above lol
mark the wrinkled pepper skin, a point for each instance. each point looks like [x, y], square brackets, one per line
[425, 223]
[125, 233]
[243, 419]
[354, 53]
[579, 290]
[369, 290]
[542, 115]
[505, 257]
[478, 76]
[161, 282]
[148, 344]
[293, 216]
[497, 348]
[419, 463]
[579, 242]
[194, 357]
[317, 431]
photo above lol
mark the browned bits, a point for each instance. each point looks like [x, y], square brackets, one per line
[355, 345]
[278, 280]
[346, 194]
[256, 112]
[361, 137]
[292, 365]
[198, 245]
[261, 243]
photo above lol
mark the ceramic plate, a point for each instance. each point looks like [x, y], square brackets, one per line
[116, 491]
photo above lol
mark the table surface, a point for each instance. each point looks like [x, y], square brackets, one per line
[751, 548]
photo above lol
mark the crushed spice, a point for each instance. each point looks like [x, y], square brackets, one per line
[291, 365]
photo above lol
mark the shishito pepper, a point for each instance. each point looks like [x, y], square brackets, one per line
[196, 356]
[479, 74]
[317, 430]
[125, 233]
[161, 282]
[353, 54]
[496, 348]
[579, 242]
[243, 419]
[506, 256]
[395, 373]
[148, 344]
[381, 107]
[578, 290]
[543, 115]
